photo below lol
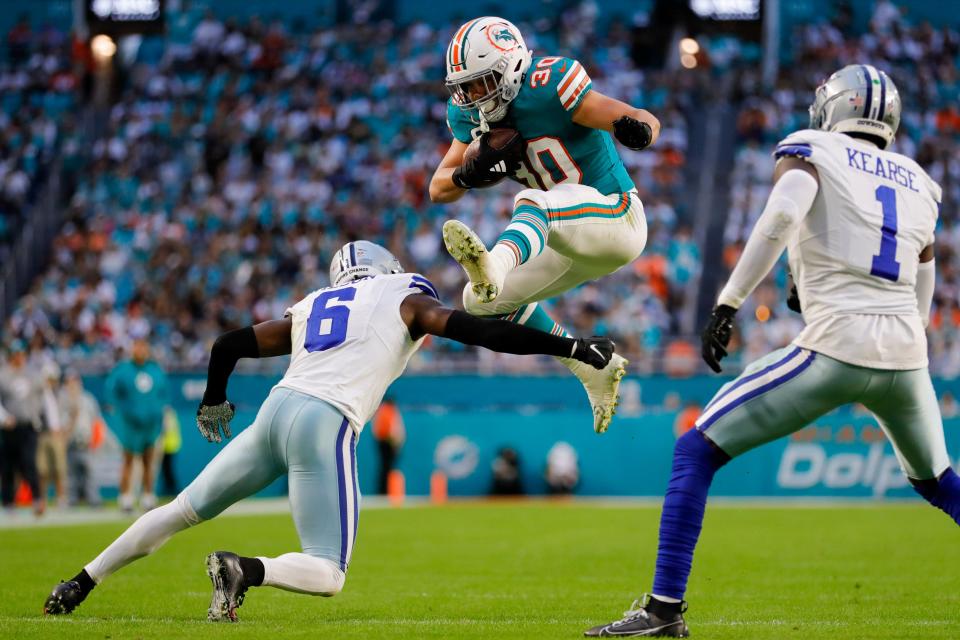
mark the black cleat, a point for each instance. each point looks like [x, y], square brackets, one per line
[225, 573]
[64, 598]
[652, 619]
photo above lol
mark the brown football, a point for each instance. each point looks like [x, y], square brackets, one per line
[497, 139]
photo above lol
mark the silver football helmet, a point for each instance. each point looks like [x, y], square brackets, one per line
[361, 259]
[858, 99]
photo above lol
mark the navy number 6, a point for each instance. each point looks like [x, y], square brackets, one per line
[327, 324]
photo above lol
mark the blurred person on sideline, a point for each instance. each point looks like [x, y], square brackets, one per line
[563, 469]
[80, 412]
[506, 473]
[171, 445]
[21, 396]
[51, 440]
[137, 392]
[390, 434]
[687, 418]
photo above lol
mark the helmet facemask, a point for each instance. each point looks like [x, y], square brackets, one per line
[487, 86]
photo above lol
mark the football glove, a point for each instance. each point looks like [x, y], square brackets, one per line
[632, 133]
[595, 351]
[212, 418]
[716, 336]
[490, 164]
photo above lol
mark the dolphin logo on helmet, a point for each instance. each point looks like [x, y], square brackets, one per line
[858, 99]
[502, 35]
[361, 259]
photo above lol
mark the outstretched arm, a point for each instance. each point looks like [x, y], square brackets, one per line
[267, 339]
[424, 315]
[442, 188]
[264, 340]
[796, 186]
[632, 127]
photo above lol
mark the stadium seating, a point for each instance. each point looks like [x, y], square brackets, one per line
[38, 90]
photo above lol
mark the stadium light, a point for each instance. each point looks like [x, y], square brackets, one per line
[103, 47]
[688, 61]
[689, 46]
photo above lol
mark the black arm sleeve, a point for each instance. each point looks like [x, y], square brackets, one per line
[506, 337]
[228, 348]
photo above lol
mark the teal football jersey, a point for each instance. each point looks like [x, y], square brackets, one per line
[558, 150]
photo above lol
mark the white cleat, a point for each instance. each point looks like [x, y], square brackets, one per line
[603, 388]
[466, 248]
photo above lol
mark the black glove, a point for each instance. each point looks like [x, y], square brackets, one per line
[632, 133]
[716, 336]
[595, 351]
[793, 300]
[489, 165]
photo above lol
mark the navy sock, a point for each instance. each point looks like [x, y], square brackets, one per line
[695, 461]
[942, 492]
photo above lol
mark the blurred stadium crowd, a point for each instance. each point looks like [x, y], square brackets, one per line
[241, 155]
[38, 95]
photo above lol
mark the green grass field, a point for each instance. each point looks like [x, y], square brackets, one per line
[520, 570]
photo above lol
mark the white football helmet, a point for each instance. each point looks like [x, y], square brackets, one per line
[486, 61]
[858, 99]
[361, 259]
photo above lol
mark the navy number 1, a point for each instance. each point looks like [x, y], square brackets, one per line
[327, 324]
[885, 263]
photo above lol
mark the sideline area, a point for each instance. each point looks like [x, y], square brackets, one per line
[23, 518]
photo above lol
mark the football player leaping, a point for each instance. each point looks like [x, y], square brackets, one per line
[580, 218]
[858, 222]
[349, 342]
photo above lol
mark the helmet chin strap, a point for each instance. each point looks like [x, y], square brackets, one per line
[495, 114]
[484, 122]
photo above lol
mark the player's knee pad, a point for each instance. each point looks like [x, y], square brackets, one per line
[536, 196]
[326, 577]
[186, 510]
[339, 579]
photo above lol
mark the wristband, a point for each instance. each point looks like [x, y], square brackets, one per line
[457, 178]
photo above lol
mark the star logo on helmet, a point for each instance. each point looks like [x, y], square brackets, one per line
[502, 37]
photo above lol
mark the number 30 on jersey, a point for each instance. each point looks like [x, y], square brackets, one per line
[548, 163]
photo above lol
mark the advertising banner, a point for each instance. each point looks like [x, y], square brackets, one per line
[844, 454]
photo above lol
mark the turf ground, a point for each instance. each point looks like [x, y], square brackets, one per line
[520, 570]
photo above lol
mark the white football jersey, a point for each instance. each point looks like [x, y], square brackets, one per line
[350, 343]
[855, 255]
